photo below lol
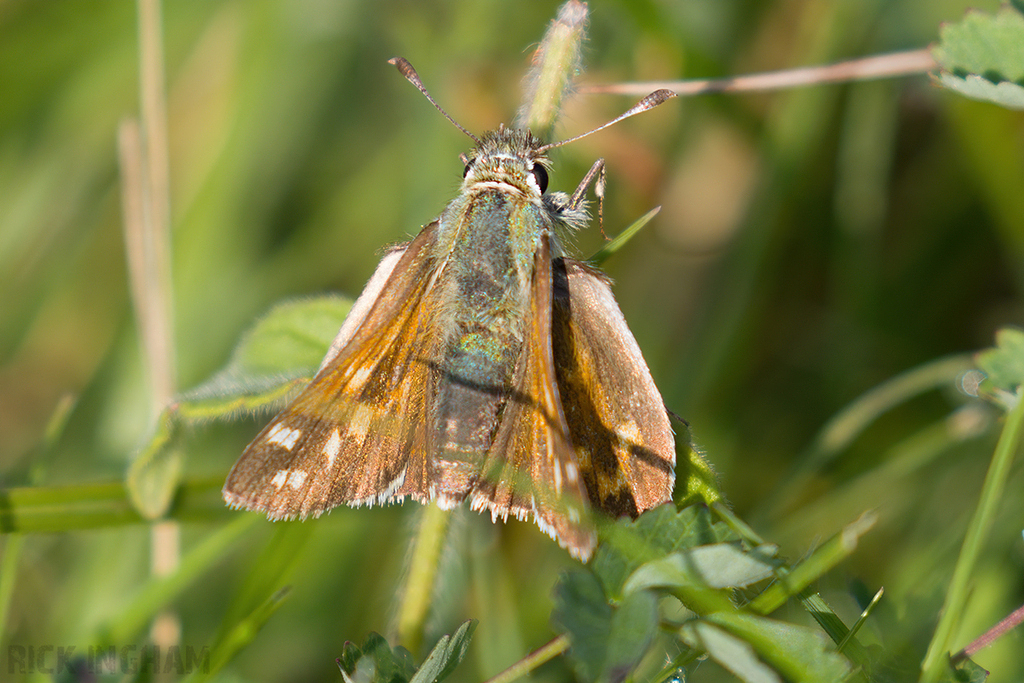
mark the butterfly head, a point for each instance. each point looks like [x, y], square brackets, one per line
[510, 158]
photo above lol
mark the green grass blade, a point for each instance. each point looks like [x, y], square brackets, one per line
[608, 250]
[159, 592]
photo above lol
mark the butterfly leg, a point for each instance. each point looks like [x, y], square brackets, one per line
[596, 176]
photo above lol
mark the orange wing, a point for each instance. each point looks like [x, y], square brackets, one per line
[361, 431]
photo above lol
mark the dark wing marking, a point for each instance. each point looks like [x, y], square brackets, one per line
[617, 419]
[530, 468]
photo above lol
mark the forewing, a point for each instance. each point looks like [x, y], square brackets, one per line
[530, 468]
[359, 433]
[617, 419]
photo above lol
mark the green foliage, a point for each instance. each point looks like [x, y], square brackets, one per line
[610, 613]
[607, 642]
[982, 57]
[1003, 367]
[378, 662]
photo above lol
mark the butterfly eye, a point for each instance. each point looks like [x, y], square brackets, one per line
[541, 175]
[465, 171]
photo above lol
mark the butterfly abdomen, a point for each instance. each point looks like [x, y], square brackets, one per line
[489, 302]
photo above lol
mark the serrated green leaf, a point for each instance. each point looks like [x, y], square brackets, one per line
[989, 45]
[1005, 93]
[628, 544]
[607, 643]
[376, 662]
[446, 655]
[722, 565]
[982, 56]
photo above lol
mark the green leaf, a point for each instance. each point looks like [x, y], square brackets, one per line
[1003, 366]
[798, 653]
[378, 662]
[270, 570]
[160, 591]
[982, 57]
[969, 672]
[628, 544]
[735, 655]
[155, 473]
[285, 345]
[607, 643]
[583, 613]
[242, 633]
[608, 250]
[446, 655]
[634, 625]
[794, 579]
[721, 565]
[1005, 93]
[985, 44]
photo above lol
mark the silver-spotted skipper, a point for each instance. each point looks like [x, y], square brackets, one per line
[479, 363]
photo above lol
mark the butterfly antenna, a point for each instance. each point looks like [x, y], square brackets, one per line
[650, 102]
[410, 75]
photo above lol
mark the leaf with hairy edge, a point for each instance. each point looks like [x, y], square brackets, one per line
[286, 344]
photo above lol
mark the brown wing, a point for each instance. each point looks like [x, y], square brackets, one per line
[617, 419]
[359, 433]
[530, 468]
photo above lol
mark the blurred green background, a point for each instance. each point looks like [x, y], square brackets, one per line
[813, 244]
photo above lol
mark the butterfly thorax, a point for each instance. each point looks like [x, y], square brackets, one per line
[487, 247]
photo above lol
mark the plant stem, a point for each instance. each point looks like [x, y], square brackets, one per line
[419, 584]
[936, 660]
[532, 660]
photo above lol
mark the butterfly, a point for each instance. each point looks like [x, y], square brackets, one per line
[479, 363]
